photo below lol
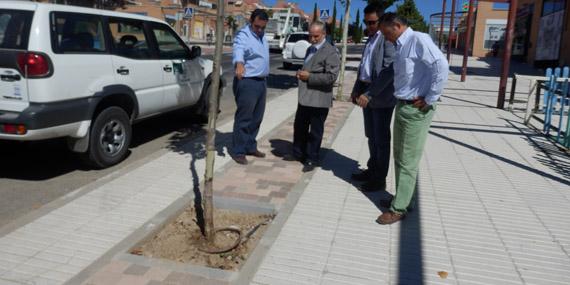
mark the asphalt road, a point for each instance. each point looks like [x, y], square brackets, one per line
[33, 174]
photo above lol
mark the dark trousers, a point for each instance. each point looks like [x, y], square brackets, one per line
[308, 132]
[250, 96]
[377, 130]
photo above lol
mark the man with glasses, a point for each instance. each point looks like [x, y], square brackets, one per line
[251, 62]
[374, 92]
[420, 72]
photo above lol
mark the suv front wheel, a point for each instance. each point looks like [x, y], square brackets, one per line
[109, 138]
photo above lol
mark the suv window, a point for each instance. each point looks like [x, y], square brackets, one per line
[77, 33]
[169, 46]
[15, 28]
[129, 38]
[293, 38]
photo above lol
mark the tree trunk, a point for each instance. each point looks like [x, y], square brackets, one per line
[344, 47]
[211, 136]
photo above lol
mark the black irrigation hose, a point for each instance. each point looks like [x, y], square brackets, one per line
[238, 241]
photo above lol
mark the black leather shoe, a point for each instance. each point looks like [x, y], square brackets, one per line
[257, 153]
[292, 157]
[361, 176]
[373, 186]
[240, 159]
[309, 166]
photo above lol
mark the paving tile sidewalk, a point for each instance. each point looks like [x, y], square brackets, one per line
[493, 207]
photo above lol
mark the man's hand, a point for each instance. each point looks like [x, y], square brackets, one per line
[362, 101]
[303, 75]
[353, 97]
[420, 103]
[240, 70]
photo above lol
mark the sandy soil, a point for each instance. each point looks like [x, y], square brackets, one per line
[179, 241]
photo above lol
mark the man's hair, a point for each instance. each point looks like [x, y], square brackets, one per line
[320, 24]
[374, 8]
[260, 14]
[389, 19]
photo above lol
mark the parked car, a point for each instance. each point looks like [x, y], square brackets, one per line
[295, 49]
[88, 75]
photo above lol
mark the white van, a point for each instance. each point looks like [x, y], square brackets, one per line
[88, 74]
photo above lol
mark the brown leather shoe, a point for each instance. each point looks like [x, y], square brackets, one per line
[257, 153]
[389, 218]
[240, 159]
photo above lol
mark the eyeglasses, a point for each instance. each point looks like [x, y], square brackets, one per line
[370, 23]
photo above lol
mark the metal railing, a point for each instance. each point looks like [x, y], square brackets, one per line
[557, 105]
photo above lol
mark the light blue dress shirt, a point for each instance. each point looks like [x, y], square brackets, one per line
[420, 68]
[253, 51]
[365, 68]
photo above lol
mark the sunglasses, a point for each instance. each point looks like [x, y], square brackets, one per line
[370, 23]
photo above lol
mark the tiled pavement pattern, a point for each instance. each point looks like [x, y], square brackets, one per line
[57, 246]
[492, 208]
[270, 179]
[266, 180]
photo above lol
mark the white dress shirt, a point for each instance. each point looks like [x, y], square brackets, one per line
[420, 68]
[365, 64]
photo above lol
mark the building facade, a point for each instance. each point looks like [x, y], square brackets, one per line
[542, 32]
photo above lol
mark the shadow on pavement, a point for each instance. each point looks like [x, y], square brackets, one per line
[281, 81]
[193, 142]
[561, 180]
[548, 153]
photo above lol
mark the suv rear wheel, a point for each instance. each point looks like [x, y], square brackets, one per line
[109, 139]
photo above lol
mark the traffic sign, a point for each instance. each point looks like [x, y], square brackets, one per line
[465, 6]
[324, 14]
[188, 12]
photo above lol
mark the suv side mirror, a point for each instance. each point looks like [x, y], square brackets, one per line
[195, 52]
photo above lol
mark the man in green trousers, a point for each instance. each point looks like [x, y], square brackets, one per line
[420, 73]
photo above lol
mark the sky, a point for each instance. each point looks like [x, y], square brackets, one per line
[426, 7]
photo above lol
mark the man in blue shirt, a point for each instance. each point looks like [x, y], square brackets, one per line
[251, 62]
[420, 73]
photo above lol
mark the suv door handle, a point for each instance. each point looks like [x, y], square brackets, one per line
[123, 71]
[167, 68]
[10, 78]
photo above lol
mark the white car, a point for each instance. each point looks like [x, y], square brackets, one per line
[295, 49]
[88, 75]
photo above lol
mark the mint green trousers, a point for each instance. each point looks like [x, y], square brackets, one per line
[411, 127]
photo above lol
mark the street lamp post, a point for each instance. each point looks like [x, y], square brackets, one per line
[441, 26]
[467, 40]
[507, 54]
[451, 22]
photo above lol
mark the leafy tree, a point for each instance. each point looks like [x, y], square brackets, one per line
[232, 24]
[333, 24]
[315, 12]
[357, 34]
[100, 4]
[385, 4]
[338, 32]
[409, 11]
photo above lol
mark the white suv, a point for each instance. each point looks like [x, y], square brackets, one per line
[295, 49]
[88, 74]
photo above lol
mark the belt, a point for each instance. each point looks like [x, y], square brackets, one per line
[256, 78]
[406, 102]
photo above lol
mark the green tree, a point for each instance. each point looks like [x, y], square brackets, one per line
[232, 24]
[357, 34]
[338, 32]
[315, 12]
[100, 4]
[385, 4]
[333, 24]
[409, 11]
